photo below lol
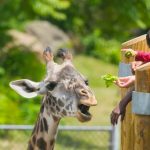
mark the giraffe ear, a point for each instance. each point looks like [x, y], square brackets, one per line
[25, 87]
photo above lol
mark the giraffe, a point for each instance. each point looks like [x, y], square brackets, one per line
[66, 93]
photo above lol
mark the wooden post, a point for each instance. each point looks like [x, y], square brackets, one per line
[127, 126]
[142, 122]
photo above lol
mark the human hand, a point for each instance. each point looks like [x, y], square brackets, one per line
[125, 82]
[136, 64]
[115, 115]
[129, 52]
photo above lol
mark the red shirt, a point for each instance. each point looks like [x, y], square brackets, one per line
[143, 56]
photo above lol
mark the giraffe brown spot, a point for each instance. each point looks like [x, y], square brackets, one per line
[34, 129]
[37, 128]
[67, 107]
[45, 125]
[49, 100]
[50, 96]
[41, 126]
[52, 109]
[70, 104]
[60, 103]
[52, 142]
[57, 108]
[42, 108]
[53, 103]
[64, 112]
[46, 107]
[46, 101]
[55, 118]
[34, 139]
[30, 147]
[41, 144]
[54, 99]
[48, 112]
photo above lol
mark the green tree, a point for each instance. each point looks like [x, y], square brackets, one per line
[14, 13]
[101, 25]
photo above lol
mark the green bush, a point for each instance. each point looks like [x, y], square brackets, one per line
[18, 63]
[107, 50]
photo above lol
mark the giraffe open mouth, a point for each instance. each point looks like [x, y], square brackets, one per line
[83, 114]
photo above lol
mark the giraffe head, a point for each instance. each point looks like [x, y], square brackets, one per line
[66, 91]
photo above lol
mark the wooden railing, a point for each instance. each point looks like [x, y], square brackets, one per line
[135, 129]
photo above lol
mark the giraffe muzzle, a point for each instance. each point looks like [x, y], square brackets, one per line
[91, 101]
[83, 114]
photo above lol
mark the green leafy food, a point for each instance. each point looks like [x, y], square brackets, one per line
[109, 79]
[128, 54]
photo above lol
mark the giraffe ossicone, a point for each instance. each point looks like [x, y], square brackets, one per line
[66, 93]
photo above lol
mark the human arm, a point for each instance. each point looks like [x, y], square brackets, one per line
[143, 56]
[120, 109]
[135, 54]
[125, 82]
[135, 65]
[139, 55]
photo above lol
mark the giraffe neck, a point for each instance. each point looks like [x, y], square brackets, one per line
[45, 131]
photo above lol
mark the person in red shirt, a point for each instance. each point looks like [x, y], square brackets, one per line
[141, 57]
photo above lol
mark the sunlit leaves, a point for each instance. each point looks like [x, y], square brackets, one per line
[2, 71]
[51, 8]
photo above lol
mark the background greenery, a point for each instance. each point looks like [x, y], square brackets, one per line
[96, 27]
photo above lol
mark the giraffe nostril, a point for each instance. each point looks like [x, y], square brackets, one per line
[83, 92]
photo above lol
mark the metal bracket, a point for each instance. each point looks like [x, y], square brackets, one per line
[124, 70]
[141, 103]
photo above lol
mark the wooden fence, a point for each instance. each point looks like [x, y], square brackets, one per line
[135, 129]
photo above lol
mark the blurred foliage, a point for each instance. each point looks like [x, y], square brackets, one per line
[100, 48]
[16, 13]
[113, 19]
[101, 25]
[97, 27]
[50, 7]
[15, 65]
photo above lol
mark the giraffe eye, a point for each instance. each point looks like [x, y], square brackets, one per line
[51, 85]
[86, 82]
